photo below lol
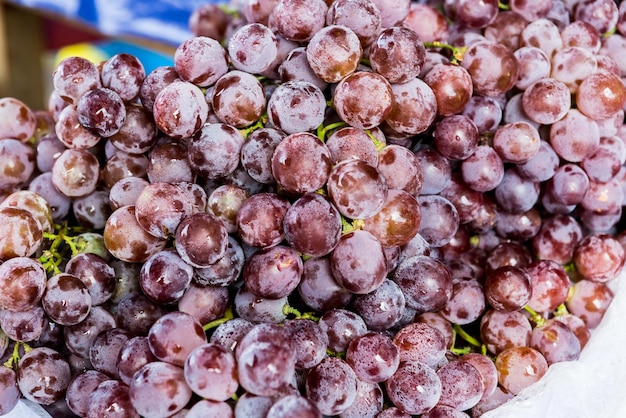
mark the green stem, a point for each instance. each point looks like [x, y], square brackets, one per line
[379, 145]
[503, 6]
[351, 226]
[322, 130]
[290, 310]
[457, 51]
[468, 338]
[228, 315]
[561, 310]
[332, 353]
[255, 126]
[535, 317]
[14, 360]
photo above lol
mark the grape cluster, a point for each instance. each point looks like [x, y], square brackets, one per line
[352, 208]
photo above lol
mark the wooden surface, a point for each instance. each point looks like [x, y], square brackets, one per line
[21, 55]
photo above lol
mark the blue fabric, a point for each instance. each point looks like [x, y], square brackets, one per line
[160, 20]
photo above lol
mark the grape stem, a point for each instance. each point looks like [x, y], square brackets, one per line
[228, 315]
[348, 226]
[336, 354]
[53, 256]
[457, 51]
[323, 130]
[290, 310]
[535, 317]
[14, 360]
[379, 145]
[257, 125]
[468, 338]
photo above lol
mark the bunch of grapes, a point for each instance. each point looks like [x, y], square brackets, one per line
[351, 208]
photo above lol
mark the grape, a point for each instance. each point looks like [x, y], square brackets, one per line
[483, 170]
[358, 262]
[500, 330]
[226, 270]
[439, 220]
[24, 326]
[362, 16]
[224, 202]
[516, 194]
[461, 385]
[122, 165]
[71, 133]
[549, 283]
[200, 60]
[67, 300]
[201, 239]
[161, 207]
[159, 389]
[456, 137]
[382, 308]
[165, 276]
[253, 406]
[493, 68]
[397, 54]
[21, 234]
[589, 301]
[296, 106]
[436, 320]
[414, 108]
[124, 74]
[265, 368]
[168, 163]
[174, 335]
[410, 375]
[260, 219]
[255, 309]
[436, 170]
[17, 164]
[301, 163]
[180, 109]
[555, 341]
[299, 20]
[508, 288]
[210, 371]
[341, 326]
[208, 20]
[363, 99]
[401, 168]
[398, 221]
[205, 303]
[466, 303]
[257, 151]
[452, 86]
[138, 133]
[420, 342]
[598, 257]
[520, 367]
[127, 240]
[601, 106]
[102, 111]
[546, 101]
[105, 350]
[43, 375]
[373, 357]
[319, 289]
[23, 281]
[93, 210]
[273, 272]
[111, 395]
[79, 389]
[73, 77]
[154, 82]
[428, 22]
[331, 386]
[126, 191]
[292, 405]
[296, 67]
[542, 166]
[79, 337]
[534, 65]
[486, 369]
[238, 99]
[206, 407]
[333, 52]
[133, 355]
[214, 151]
[425, 282]
[392, 412]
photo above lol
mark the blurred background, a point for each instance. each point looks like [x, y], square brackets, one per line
[36, 34]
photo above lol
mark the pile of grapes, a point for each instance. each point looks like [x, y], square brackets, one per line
[352, 208]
